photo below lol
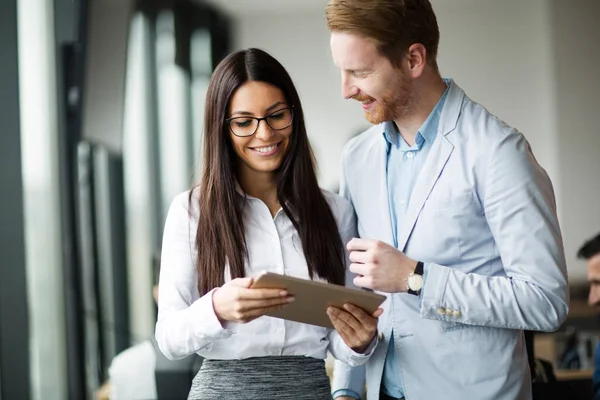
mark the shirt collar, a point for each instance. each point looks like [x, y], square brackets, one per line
[425, 133]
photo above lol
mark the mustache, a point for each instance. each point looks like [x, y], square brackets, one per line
[362, 98]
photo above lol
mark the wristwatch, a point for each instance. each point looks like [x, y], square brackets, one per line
[415, 280]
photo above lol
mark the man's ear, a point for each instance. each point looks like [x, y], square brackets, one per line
[416, 59]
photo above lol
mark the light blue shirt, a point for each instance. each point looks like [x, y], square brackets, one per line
[404, 163]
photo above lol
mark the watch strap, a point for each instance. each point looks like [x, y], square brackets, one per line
[419, 268]
[418, 271]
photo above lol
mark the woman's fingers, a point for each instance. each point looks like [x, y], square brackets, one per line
[261, 294]
[248, 305]
[346, 332]
[355, 326]
[252, 314]
[377, 313]
[346, 318]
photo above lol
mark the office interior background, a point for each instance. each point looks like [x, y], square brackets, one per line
[101, 106]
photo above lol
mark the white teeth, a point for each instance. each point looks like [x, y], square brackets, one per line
[267, 149]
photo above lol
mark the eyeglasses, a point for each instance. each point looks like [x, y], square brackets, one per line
[247, 126]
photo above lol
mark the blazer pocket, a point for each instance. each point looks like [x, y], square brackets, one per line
[452, 326]
[449, 200]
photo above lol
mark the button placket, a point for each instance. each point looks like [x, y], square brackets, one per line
[279, 342]
[279, 234]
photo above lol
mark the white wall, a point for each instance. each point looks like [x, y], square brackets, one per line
[503, 54]
[301, 44]
[500, 54]
[577, 61]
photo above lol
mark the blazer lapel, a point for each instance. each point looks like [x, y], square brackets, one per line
[381, 193]
[435, 163]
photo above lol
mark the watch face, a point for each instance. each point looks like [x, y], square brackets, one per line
[415, 282]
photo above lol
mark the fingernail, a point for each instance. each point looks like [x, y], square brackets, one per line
[283, 293]
[290, 299]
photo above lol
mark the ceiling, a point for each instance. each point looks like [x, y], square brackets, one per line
[248, 7]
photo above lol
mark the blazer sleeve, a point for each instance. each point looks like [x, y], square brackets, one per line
[519, 206]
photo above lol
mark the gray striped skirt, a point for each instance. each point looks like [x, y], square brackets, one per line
[262, 378]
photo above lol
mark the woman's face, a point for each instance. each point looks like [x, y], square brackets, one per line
[262, 151]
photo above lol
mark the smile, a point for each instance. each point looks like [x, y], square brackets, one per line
[366, 104]
[267, 150]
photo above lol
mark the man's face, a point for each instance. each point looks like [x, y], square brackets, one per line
[386, 93]
[594, 280]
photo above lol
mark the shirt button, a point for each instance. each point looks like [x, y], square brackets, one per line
[410, 154]
[441, 310]
[448, 312]
[456, 314]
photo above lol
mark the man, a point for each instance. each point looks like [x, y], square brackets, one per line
[457, 220]
[590, 251]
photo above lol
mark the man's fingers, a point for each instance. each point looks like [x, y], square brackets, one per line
[363, 281]
[362, 257]
[359, 269]
[357, 244]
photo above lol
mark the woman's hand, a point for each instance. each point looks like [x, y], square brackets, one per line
[355, 326]
[235, 301]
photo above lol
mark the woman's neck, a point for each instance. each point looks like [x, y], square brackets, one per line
[261, 185]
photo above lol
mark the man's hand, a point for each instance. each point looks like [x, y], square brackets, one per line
[355, 326]
[379, 266]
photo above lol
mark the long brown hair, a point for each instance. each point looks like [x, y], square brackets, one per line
[220, 235]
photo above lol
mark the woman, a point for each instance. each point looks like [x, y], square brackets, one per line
[258, 207]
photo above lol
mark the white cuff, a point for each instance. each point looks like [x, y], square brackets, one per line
[205, 320]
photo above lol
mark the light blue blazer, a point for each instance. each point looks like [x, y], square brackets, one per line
[482, 217]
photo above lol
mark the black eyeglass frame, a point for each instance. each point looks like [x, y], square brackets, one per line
[266, 119]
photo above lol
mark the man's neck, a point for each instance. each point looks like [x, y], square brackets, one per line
[428, 94]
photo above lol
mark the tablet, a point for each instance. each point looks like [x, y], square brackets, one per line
[313, 298]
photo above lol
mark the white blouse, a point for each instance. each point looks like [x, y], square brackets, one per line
[187, 322]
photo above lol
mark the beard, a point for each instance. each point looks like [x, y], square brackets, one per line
[395, 104]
